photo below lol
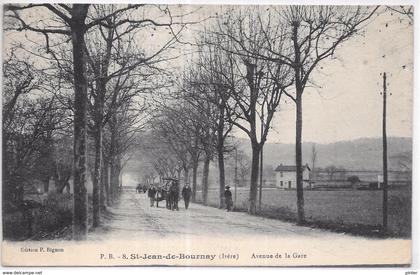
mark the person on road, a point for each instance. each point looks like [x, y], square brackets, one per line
[186, 194]
[228, 198]
[151, 194]
[174, 195]
[138, 188]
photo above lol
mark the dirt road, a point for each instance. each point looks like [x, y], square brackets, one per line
[133, 217]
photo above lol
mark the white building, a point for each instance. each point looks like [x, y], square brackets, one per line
[286, 176]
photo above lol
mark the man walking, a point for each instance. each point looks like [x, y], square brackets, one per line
[228, 198]
[151, 194]
[186, 194]
[174, 195]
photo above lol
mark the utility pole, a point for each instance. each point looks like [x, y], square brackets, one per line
[236, 176]
[385, 160]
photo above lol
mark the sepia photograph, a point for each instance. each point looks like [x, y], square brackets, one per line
[207, 135]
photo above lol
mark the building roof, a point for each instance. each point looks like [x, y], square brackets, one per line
[290, 168]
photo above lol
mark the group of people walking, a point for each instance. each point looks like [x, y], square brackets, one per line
[186, 195]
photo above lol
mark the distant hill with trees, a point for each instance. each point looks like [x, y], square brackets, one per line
[358, 154]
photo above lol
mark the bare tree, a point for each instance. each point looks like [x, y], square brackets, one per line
[33, 123]
[262, 84]
[335, 173]
[69, 21]
[199, 93]
[159, 156]
[307, 35]
[213, 80]
[301, 37]
[73, 21]
[243, 163]
[316, 32]
[406, 11]
[18, 80]
[73, 25]
[108, 62]
[170, 129]
[185, 124]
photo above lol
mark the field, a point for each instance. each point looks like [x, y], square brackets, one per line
[339, 207]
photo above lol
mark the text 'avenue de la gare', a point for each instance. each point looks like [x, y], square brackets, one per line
[285, 255]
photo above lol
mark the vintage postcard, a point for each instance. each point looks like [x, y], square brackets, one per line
[207, 135]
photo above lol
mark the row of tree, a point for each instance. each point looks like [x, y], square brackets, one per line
[84, 73]
[247, 62]
[79, 74]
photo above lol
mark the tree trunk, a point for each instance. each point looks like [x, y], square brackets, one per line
[384, 160]
[6, 191]
[261, 178]
[116, 175]
[97, 176]
[205, 184]
[111, 179]
[194, 180]
[106, 184]
[47, 185]
[101, 74]
[220, 148]
[113, 183]
[112, 156]
[119, 174]
[299, 85]
[221, 161]
[252, 207]
[178, 174]
[114, 179]
[102, 187]
[80, 217]
[299, 183]
[186, 175]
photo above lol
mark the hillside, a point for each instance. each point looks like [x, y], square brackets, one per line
[365, 153]
[359, 154]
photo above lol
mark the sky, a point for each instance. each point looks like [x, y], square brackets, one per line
[348, 105]
[348, 102]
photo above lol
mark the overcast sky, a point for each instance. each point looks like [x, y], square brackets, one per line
[349, 104]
